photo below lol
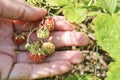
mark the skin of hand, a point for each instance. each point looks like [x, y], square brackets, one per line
[18, 66]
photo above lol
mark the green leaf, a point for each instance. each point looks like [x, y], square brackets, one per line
[107, 32]
[84, 77]
[74, 13]
[114, 71]
[94, 13]
[70, 77]
[108, 5]
[118, 7]
[80, 77]
[52, 2]
[58, 2]
[36, 3]
[64, 2]
[118, 2]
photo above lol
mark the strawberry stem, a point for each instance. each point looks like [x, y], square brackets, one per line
[31, 33]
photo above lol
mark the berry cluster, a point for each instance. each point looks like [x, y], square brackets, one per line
[39, 50]
[45, 27]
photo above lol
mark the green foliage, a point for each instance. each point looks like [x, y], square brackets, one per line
[52, 2]
[72, 10]
[74, 13]
[118, 3]
[36, 3]
[81, 77]
[114, 71]
[59, 2]
[108, 5]
[94, 13]
[64, 2]
[107, 32]
[70, 77]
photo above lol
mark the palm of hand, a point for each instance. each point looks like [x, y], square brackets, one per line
[7, 48]
[19, 66]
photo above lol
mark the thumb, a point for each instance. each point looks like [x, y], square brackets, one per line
[19, 10]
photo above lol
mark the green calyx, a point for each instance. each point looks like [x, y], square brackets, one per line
[40, 51]
[20, 35]
[33, 47]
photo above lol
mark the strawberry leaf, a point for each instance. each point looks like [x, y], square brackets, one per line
[107, 32]
[74, 14]
[58, 2]
[52, 2]
[114, 71]
[36, 3]
[108, 5]
[64, 2]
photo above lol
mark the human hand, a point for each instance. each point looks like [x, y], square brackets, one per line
[19, 66]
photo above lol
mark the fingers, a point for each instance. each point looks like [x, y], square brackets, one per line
[60, 24]
[69, 38]
[52, 68]
[73, 57]
[24, 71]
[20, 10]
[6, 63]
[66, 38]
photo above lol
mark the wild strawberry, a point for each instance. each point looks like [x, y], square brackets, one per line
[49, 23]
[42, 33]
[19, 38]
[33, 46]
[35, 52]
[27, 46]
[48, 48]
[38, 56]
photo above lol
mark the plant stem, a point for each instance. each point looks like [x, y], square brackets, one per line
[59, 11]
[90, 2]
[25, 24]
[94, 78]
[31, 33]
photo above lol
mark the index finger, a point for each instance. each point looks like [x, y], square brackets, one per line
[60, 24]
[20, 10]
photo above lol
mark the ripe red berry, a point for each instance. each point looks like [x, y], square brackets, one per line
[19, 38]
[36, 58]
[49, 23]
